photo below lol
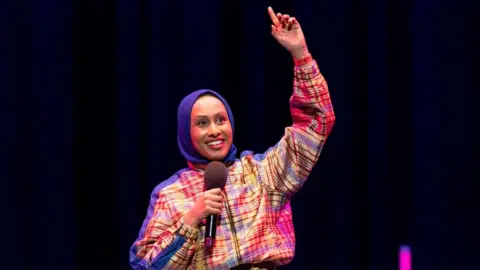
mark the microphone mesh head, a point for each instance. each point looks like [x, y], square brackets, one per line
[215, 175]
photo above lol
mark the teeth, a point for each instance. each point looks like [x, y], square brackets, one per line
[214, 142]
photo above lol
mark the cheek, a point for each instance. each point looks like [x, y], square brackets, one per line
[196, 136]
[228, 132]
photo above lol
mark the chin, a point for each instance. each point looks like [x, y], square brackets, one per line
[217, 157]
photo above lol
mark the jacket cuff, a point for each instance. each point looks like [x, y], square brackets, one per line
[186, 231]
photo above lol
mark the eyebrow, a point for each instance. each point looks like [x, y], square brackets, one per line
[222, 113]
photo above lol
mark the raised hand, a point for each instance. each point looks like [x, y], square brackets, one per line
[287, 31]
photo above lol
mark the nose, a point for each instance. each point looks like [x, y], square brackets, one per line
[213, 130]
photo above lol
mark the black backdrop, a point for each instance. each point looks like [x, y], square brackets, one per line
[89, 91]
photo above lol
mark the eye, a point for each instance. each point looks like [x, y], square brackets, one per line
[220, 120]
[202, 123]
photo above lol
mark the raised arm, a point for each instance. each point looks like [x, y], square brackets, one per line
[287, 165]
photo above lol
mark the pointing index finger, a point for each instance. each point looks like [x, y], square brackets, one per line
[273, 17]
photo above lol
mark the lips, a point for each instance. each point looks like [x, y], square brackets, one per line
[215, 144]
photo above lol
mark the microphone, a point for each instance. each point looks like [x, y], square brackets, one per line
[215, 177]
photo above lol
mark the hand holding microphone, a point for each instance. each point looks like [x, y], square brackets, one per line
[210, 204]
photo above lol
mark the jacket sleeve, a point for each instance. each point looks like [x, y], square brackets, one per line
[164, 241]
[286, 166]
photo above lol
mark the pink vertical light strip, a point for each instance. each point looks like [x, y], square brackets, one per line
[405, 258]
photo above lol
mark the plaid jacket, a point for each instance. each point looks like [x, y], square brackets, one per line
[258, 189]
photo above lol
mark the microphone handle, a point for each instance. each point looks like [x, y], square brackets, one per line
[210, 230]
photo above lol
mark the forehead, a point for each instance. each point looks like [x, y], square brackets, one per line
[207, 105]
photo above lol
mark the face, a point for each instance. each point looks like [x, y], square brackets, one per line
[210, 128]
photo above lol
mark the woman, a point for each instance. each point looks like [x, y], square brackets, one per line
[255, 229]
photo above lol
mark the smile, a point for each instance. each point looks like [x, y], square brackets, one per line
[215, 142]
[216, 145]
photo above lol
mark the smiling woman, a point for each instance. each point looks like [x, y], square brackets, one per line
[205, 128]
[211, 130]
[255, 228]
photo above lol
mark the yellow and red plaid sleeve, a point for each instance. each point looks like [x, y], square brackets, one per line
[286, 166]
[164, 240]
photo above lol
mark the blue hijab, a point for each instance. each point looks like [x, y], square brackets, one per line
[183, 136]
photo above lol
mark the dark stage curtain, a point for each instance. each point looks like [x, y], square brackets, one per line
[88, 98]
